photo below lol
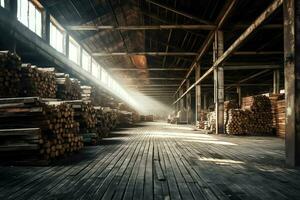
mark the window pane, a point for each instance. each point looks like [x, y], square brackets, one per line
[23, 12]
[31, 17]
[74, 50]
[86, 60]
[56, 38]
[2, 3]
[95, 69]
[59, 41]
[38, 22]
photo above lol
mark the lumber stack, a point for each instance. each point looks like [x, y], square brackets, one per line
[9, 59]
[96, 97]
[211, 121]
[255, 117]
[280, 118]
[274, 98]
[237, 122]
[229, 105]
[85, 115]
[125, 118]
[37, 81]
[18, 80]
[67, 88]
[58, 132]
[10, 76]
[86, 93]
[200, 124]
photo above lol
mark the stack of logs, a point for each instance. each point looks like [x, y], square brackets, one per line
[202, 120]
[67, 88]
[85, 115]
[228, 106]
[37, 82]
[49, 128]
[19, 80]
[280, 118]
[125, 118]
[106, 121]
[86, 92]
[255, 117]
[10, 74]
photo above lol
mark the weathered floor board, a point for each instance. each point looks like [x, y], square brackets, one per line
[161, 161]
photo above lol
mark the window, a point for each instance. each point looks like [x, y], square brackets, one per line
[30, 16]
[74, 51]
[86, 60]
[104, 76]
[2, 4]
[95, 69]
[56, 37]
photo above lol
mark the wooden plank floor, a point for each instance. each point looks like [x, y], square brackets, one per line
[162, 161]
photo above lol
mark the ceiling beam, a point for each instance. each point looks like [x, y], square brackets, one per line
[141, 27]
[104, 54]
[180, 12]
[222, 17]
[226, 68]
[156, 78]
[254, 26]
[100, 54]
[149, 69]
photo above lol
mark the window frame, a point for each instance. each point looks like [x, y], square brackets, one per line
[62, 31]
[89, 60]
[77, 46]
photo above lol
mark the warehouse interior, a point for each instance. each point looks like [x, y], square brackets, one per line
[148, 99]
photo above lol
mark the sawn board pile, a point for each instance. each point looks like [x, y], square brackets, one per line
[45, 129]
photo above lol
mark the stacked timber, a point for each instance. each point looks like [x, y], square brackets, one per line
[280, 118]
[228, 106]
[255, 117]
[201, 123]
[86, 93]
[274, 98]
[75, 88]
[96, 97]
[67, 89]
[49, 125]
[136, 117]
[237, 122]
[10, 74]
[125, 118]
[85, 115]
[211, 121]
[9, 59]
[106, 120]
[37, 81]
[19, 80]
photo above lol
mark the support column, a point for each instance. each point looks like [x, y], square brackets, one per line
[276, 81]
[46, 26]
[219, 83]
[176, 104]
[205, 101]
[197, 94]
[181, 100]
[188, 103]
[239, 95]
[291, 10]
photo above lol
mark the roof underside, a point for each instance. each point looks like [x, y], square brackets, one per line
[141, 75]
